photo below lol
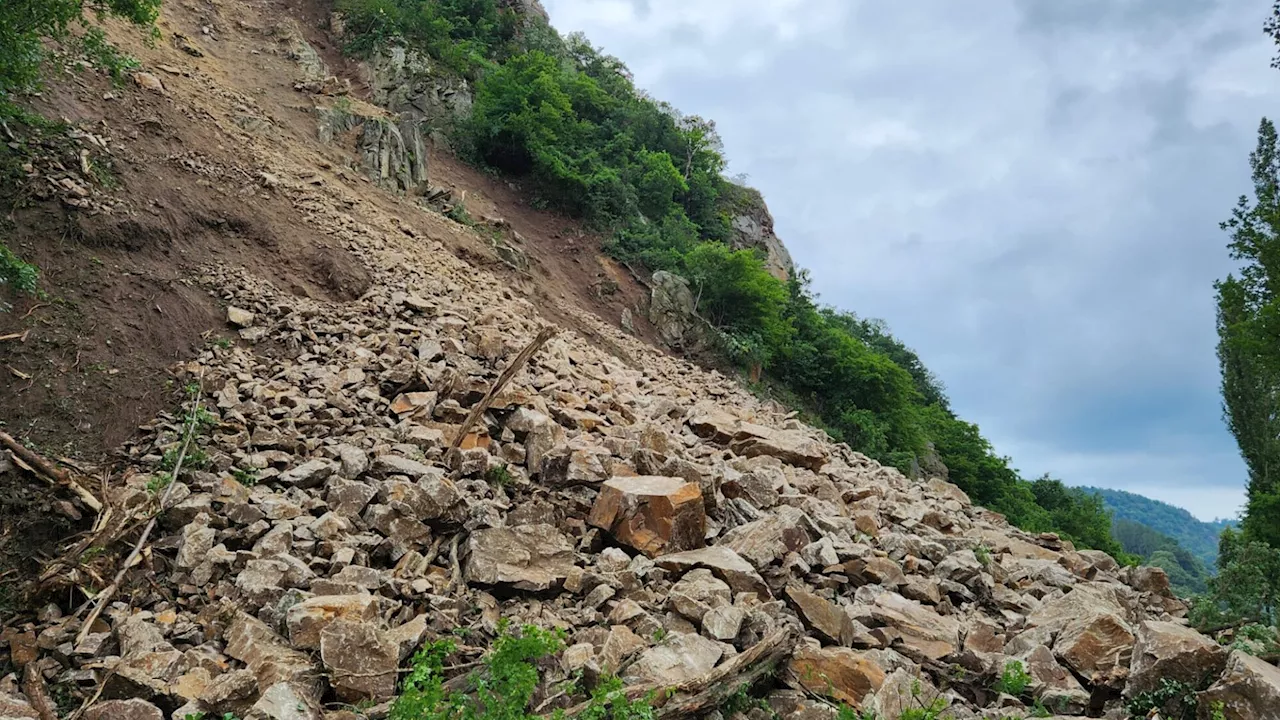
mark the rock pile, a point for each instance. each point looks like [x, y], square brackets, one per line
[665, 519]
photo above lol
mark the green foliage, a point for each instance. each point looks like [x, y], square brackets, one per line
[1256, 639]
[1174, 699]
[1247, 586]
[499, 475]
[462, 34]
[502, 688]
[26, 24]
[1078, 515]
[1187, 574]
[16, 275]
[1249, 338]
[1014, 679]
[1196, 536]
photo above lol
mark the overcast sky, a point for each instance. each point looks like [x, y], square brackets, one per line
[1027, 191]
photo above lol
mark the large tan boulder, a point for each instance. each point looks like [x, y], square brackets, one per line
[765, 541]
[922, 632]
[789, 446]
[839, 673]
[1095, 645]
[362, 661]
[1248, 690]
[1166, 650]
[533, 557]
[308, 618]
[724, 563]
[652, 514]
[824, 617]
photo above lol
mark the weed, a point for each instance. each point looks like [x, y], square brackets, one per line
[458, 213]
[983, 554]
[15, 273]
[224, 343]
[1014, 679]
[659, 635]
[1172, 699]
[247, 478]
[1038, 710]
[499, 475]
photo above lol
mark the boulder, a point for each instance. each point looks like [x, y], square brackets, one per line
[534, 557]
[362, 662]
[824, 617]
[765, 541]
[309, 618]
[699, 592]
[922, 632]
[132, 709]
[682, 656]
[253, 643]
[1176, 652]
[789, 446]
[673, 311]
[284, 701]
[652, 514]
[1249, 689]
[839, 673]
[1096, 644]
[723, 562]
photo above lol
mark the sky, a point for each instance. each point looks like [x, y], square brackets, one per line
[1027, 191]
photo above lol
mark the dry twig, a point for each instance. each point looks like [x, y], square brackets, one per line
[543, 336]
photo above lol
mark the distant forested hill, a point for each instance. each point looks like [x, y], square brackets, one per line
[1198, 537]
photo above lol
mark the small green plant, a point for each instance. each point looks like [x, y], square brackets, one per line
[1014, 679]
[983, 554]
[1218, 711]
[1038, 710]
[499, 475]
[659, 635]
[224, 343]
[107, 56]
[247, 478]
[20, 276]
[1173, 699]
[458, 213]
[1256, 639]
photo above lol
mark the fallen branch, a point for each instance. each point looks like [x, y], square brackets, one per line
[543, 336]
[699, 695]
[45, 468]
[105, 596]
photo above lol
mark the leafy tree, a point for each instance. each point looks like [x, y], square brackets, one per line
[1249, 333]
[26, 24]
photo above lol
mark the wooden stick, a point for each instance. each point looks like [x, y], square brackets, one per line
[713, 688]
[103, 597]
[543, 336]
[46, 468]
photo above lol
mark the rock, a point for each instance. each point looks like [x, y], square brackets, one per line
[309, 618]
[827, 619]
[1249, 689]
[1166, 650]
[539, 433]
[673, 311]
[923, 633]
[1097, 644]
[652, 514]
[236, 316]
[1150, 579]
[19, 709]
[147, 81]
[765, 541]
[723, 623]
[250, 641]
[230, 692]
[753, 228]
[362, 662]
[681, 657]
[526, 557]
[723, 563]
[309, 474]
[697, 593]
[284, 701]
[839, 673]
[788, 446]
[619, 646]
[1052, 683]
[197, 542]
[133, 709]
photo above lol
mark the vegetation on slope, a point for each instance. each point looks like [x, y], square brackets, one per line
[569, 118]
[1196, 536]
[1187, 572]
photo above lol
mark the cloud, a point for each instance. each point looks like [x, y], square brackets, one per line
[1029, 195]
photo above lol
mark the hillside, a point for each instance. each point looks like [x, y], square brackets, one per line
[319, 416]
[1198, 537]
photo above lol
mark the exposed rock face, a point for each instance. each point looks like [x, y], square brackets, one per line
[526, 557]
[753, 228]
[408, 83]
[838, 673]
[673, 311]
[392, 152]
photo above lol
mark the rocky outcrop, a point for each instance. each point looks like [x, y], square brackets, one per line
[392, 151]
[1248, 690]
[753, 228]
[410, 85]
[673, 312]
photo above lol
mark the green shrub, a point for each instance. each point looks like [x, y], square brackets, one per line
[16, 275]
[26, 24]
[1173, 699]
[1014, 679]
[502, 688]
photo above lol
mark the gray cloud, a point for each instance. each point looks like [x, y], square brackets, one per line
[1028, 194]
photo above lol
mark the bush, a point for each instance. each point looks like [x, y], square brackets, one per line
[16, 275]
[26, 24]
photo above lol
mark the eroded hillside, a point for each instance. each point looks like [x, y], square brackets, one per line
[244, 295]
